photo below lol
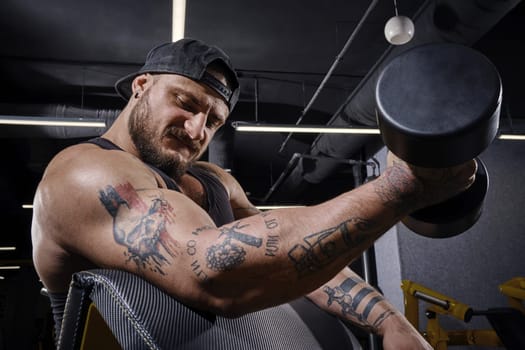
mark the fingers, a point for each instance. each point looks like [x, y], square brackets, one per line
[466, 173]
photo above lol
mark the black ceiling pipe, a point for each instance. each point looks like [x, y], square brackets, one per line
[56, 111]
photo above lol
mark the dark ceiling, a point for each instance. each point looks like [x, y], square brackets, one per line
[60, 58]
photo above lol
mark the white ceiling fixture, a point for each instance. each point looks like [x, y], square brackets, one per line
[178, 19]
[309, 129]
[399, 30]
[43, 121]
[515, 137]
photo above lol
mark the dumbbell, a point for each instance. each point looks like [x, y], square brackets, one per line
[438, 105]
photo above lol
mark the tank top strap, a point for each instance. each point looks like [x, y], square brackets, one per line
[219, 207]
[107, 144]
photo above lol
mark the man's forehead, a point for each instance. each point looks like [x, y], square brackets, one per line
[198, 90]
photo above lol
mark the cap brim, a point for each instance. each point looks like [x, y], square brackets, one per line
[123, 85]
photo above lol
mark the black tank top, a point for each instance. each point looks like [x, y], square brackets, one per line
[218, 203]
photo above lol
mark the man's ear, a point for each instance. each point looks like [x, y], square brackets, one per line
[140, 84]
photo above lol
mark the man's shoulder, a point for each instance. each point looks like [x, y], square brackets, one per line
[86, 165]
[89, 156]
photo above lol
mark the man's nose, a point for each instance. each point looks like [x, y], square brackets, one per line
[195, 126]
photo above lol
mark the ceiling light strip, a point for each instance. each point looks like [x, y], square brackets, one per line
[512, 137]
[267, 128]
[275, 128]
[8, 267]
[178, 20]
[41, 121]
[7, 248]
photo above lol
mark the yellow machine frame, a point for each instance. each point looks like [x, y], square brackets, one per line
[441, 304]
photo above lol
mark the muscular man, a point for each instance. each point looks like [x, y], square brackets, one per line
[138, 200]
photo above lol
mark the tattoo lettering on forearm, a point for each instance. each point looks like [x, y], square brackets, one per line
[200, 229]
[198, 271]
[191, 249]
[321, 248]
[227, 255]
[350, 302]
[272, 245]
[140, 226]
[271, 224]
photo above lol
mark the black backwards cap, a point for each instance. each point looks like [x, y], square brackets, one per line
[189, 58]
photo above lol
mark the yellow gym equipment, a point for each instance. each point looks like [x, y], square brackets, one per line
[508, 324]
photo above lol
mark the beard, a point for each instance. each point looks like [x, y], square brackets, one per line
[148, 143]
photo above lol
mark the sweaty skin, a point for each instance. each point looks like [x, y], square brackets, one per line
[98, 208]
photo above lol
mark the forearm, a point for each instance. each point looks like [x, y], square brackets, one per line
[282, 254]
[351, 299]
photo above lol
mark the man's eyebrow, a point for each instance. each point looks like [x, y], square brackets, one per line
[184, 93]
[215, 104]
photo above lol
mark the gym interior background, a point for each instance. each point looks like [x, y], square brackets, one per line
[60, 59]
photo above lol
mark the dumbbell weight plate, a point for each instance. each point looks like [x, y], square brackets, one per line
[438, 104]
[455, 215]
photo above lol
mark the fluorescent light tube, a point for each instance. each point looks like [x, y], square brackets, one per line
[304, 129]
[178, 19]
[512, 137]
[44, 121]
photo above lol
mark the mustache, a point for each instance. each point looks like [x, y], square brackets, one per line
[182, 136]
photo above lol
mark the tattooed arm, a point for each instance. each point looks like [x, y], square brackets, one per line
[347, 296]
[97, 208]
[350, 298]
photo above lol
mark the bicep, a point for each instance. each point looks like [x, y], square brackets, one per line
[111, 214]
[144, 232]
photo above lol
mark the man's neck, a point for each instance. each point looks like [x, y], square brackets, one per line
[119, 135]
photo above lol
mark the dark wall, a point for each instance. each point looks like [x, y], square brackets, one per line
[25, 319]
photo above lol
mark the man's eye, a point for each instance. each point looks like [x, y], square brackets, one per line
[213, 123]
[183, 104]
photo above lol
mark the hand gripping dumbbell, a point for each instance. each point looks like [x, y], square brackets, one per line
[438, 106]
